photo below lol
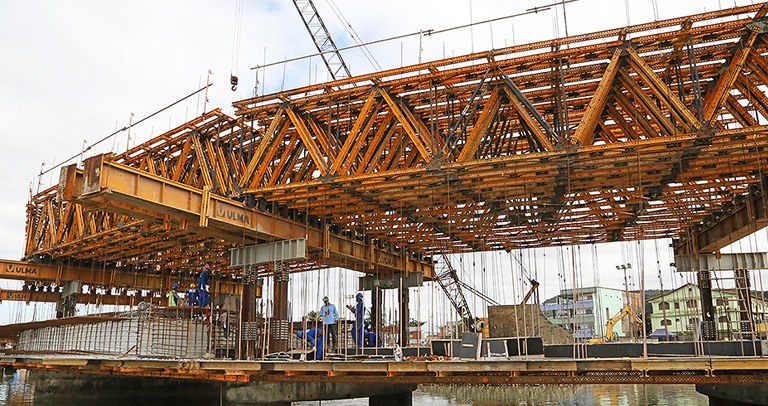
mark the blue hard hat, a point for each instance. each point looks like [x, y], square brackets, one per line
[299, 334]
[360, 294]
[175, 285]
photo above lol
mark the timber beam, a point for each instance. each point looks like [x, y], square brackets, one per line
[96, 276]
[115, 187]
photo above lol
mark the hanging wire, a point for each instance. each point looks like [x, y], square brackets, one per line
[237, 28]
[354, 35]
[43, 172]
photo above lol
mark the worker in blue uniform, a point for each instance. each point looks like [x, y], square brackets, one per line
[359, 311]
[202, 286]
[330, 317]
[371, 339]
[204, 273]
[314, 337]
[192, 295]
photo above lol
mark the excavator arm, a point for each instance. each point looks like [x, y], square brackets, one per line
[626, 310]
[609, 336]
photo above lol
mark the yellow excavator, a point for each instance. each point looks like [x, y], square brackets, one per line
[609, 334]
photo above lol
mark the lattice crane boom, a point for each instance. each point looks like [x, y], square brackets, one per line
[448, 280]
[322, 38]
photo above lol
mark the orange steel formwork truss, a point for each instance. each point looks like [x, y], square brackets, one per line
[632, 133]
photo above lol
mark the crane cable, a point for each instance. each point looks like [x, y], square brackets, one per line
[354, 35]
[236, 37]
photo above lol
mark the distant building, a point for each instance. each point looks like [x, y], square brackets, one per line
[678, 312]
[586, 311]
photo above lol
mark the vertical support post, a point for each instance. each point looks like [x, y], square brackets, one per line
[708, 325]
[745, 303]
[377, 302]
[249, 326]
[280, 327]
[404, 313]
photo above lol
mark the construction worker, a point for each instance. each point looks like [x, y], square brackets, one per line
[173, 297]
[204, 273]
[330, 316]
[371, 339]
[192, 295]
[202, 297]
[314, 337]
[203, 294]
[359, 311]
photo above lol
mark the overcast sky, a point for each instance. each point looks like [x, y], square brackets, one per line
[74, 71]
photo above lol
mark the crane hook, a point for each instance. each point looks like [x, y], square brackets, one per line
[233, 82]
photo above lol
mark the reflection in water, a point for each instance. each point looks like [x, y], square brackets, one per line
[562, 395]
[16, 391]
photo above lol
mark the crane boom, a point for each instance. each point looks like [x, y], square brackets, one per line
[322, 38]
[449, 281]
[534, 289]
[479, 294]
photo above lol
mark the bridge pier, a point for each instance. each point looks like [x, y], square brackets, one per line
[404, 398]
[741, 393]
[73, 386]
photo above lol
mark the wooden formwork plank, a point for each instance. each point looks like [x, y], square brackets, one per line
[408, 367]
[227, 365]
[372, 367]
[670, 365]
[730, 364]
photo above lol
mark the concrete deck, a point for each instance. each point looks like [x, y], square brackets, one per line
[688, 370]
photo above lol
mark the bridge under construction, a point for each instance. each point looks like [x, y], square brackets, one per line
[651, 131]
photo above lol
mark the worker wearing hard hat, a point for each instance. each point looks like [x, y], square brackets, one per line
[359, 311]
[192, 295]
[330, 316]
[173, 297]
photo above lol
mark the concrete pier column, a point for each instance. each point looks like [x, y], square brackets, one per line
[734, 393]
[399, 398]
[279, 329]
[74, 388]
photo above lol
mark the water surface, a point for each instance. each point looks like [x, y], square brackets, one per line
[17, 391]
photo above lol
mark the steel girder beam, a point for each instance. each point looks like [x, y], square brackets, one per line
[114, 187]
[743, 216]
[83, 298]
[97, 276]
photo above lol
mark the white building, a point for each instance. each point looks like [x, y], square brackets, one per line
[586, 311]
